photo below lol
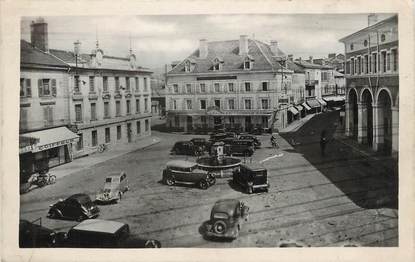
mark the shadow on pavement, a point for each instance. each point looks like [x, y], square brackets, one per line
[346, 168]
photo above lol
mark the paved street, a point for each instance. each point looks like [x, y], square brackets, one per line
[313, 200]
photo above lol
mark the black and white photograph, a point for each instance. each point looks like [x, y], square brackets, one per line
[158, 131]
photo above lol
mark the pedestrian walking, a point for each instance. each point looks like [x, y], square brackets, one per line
[323, 142]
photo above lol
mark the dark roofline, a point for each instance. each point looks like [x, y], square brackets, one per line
[369, 27]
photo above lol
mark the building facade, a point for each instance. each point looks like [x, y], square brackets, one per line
[237, 84]
[372, 85]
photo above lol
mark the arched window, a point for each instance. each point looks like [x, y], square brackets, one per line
[187, 66]
[247, 63]
[216, 64]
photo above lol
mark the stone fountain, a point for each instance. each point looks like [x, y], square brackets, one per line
[218, 162]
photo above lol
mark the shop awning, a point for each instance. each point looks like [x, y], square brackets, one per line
[293, 110]
[334, 98]
[299, 108]
[306, 106]
[313, 103]
[50, 138]
[321, 101]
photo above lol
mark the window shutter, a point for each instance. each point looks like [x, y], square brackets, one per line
[45, 115]
[40, 87]
[23, 118]
[53, 87]
[50, 109]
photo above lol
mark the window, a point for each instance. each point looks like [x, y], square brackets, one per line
[106, 109]
[107, 135]
[366, 64]
[137, 85]
[217, 103]
[247, 63]
[127, 83]
[48, 115]
[138, 125]
[374, 63]
[117, 84]
[187, 66]
[248, 104]
[216, 65]
[217, 87]
[137, 106]
[174, 104]
[128, 107]
[92, 84]
[395, 59]
[117, 108]
[264, 86]
[231, 87]
[175, 88]
[105, 83]
[118, 132]
[188, 88]
[202, 87]
[203, 104]
[247, 87]
[188, 104]
[365, 43]
[231, 104]
[388, 62]
[383, 59]
[203, 119]
[147, 125]
[359, 63]
[383, 38]
[23, 119]
[93, 112]
[47, 87]
[80, 143]
[352, 64]
[78, 113]
[265, 103]
[25, 87]
[351, 46]
[76, 84]
[145, 104]
[94, 138]
[145, 84]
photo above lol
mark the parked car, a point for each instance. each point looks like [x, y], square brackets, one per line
[231, 134]
[251, 178]
[201, 142]
[186, 148]
[180, 171]
[33, 235]
[116, 184]
[217, 137]
[254, 139]
[76, 207]
[98, 233]
[241, 147]
[226, 219]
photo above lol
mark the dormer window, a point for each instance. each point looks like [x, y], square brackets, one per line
[187, 66]
[217, 64]
[248, 63]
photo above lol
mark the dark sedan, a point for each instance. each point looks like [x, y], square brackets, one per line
[33, 235]
[254, 139]
[76, 207]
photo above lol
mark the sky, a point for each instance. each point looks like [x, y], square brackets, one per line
[160, 39]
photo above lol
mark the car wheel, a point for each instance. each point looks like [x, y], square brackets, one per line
[203, 184]
[169, 181]
[54, 214]
[213, 181]
[219, 227]
[152, 244]
[81, 218]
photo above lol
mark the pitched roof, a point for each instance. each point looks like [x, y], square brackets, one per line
[30, 55]
[228, 51]
[308, 65]
[293, 66]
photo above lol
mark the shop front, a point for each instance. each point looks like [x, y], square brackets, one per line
[53, 147]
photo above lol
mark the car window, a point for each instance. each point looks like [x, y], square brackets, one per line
[108, 180]
[220, 216]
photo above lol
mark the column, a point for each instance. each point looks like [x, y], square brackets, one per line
[377, 128]
[395, 131]
[348, 119]
[361, 123]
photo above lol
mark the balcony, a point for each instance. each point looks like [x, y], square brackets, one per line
[92, 95]
[77, 96]
[310, 82]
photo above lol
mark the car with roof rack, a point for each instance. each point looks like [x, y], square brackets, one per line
[186, 172]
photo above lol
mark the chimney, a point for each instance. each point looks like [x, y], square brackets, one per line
[372, 19]
[291, 57]
[39, 34]
[274, 47]
[203, 48]
[243, 45]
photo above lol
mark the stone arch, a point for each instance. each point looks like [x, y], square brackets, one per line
[366, 121]
[385, 89]
[383, 136]
[361, 94]
[352, 113]
[350, 90]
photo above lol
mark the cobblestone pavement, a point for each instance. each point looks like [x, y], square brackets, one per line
[312, 200]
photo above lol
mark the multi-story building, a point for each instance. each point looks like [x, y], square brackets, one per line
[67, 96]
[372, 84]
[235, 84]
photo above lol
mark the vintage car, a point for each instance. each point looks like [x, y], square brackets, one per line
[251, 178]
[116, 184]
[98, 233]
[186, 172]
[239, 147]
[76, 207]
[226, 219]
[201, 142]
[254, 139]
[33, 235]
[217, 137]
[186, 148]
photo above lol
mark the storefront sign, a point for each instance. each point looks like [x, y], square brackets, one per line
[25, 149]
[55, 144]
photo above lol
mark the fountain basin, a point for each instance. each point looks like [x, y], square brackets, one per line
[218, 164]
